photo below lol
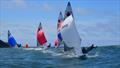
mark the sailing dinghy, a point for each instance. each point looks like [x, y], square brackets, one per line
[41, 39]
[70, 35]
[58, 41]
[69, 32]
[11, 41]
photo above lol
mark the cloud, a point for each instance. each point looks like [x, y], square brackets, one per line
[28, 5]
[20, 3]
[13, 4]
[100, 27]
[103, 32]
[26, 33]
[97, 12]
[46, 7]
[84, 11]
[23, 33]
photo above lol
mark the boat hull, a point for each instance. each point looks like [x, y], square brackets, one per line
[4, 44]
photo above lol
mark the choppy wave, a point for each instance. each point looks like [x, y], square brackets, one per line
[60, 52]
[101, 57]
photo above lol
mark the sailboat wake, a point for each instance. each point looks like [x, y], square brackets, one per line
[93, 56]
[32, 49]
[61, 53]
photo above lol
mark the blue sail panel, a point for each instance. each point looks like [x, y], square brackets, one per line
[12, 41]
[59, 37]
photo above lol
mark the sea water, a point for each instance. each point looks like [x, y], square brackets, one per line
[101, 57]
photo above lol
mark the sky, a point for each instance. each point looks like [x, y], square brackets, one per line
[97, 21]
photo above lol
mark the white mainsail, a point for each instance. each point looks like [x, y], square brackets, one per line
[69, 32]
[70, 35]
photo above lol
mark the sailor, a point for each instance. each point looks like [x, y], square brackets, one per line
[86, 50]
[46, 46]
[49, 45]
[68, 14]
[19, 45]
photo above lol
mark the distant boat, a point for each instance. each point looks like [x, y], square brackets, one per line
[11, 40]
[26, 46]
[69, 32]
[41, 39]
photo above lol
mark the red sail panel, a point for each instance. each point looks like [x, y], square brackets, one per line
[41, 37]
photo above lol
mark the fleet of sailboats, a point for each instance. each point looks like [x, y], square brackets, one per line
[67, 35]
